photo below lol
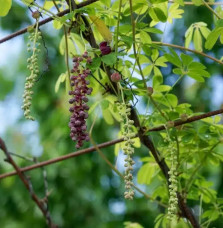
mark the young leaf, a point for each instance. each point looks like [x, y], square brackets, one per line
[145, 173]
[60, 79]
[212, 37]
[160, 14]
[109, 59]
[188, 36]
[205, 31]
[197, 40]
[5, 7]
[186, 59]
[145, 38]
[174, 12]
[197, 2]
[172, 99]
[102, 28]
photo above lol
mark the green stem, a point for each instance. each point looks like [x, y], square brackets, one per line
[117, 31]
[193, 176]
[134, 43]
[205, 3]
[120, 174]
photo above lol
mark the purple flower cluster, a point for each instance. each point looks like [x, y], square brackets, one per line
[80, 89]
[104, 48]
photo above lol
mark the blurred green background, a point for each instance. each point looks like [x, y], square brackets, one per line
[84, 191]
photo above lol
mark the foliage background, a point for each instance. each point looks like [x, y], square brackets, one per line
[85, 192]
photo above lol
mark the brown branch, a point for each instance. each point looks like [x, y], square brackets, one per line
[192, 4]
[22, 31]
[28, 186]
[189, 120]
[103, 145]
[62, 158]
[186, 211]
[188, 49]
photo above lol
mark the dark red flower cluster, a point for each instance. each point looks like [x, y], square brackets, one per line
[104, 48]
[80, 89]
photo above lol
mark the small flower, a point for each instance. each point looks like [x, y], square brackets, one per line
[80, 89]
[116, 77]
[32, 65]
[128, 149]
[104, 48]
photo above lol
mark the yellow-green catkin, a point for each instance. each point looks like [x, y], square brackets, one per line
[32, 64]
[173, 200]
[128, 149]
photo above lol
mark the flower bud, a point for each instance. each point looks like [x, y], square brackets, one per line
[116, 77]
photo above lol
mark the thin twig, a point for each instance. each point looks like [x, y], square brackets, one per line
[188, 49]
[28, 186]
[205, 3]
[22, 31]
[109, 143]
[134, 43]
[191, 3]
[185, 210]
[120, 174]
[189, 120]
[62, 158]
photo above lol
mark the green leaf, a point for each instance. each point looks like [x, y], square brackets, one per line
[197, 2]
[60, 80]
[219, 23]
[160, 14]
[205, 32]
[153, 30]
[145, 38]
[197, 40]
[27, 2]
[161, 61]
[157, 80]
[107, 116]
[96, 62]
[174, 12]
[157, 1]
[212, 37]
[196, 65]
[174, 59]
[71, 47]
[147, 70]
[188, 36]
[195, 76]
[127, 40]
[106, 2]
[57, 24]
[5, 6]
[78, 41]
[162, 88]
[109, 59]
[172, 99]
[186, 59]
[155, 54]
[104, 104]
[145, 173]
[178, 71]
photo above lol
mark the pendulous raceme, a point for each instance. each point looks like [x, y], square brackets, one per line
[79, 91]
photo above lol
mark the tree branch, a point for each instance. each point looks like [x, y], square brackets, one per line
[189, 120]
[62, 158]
[22, 31]
[28, 186]
[188, 49]
[103, 145]
[186, 211]
[191, 3]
